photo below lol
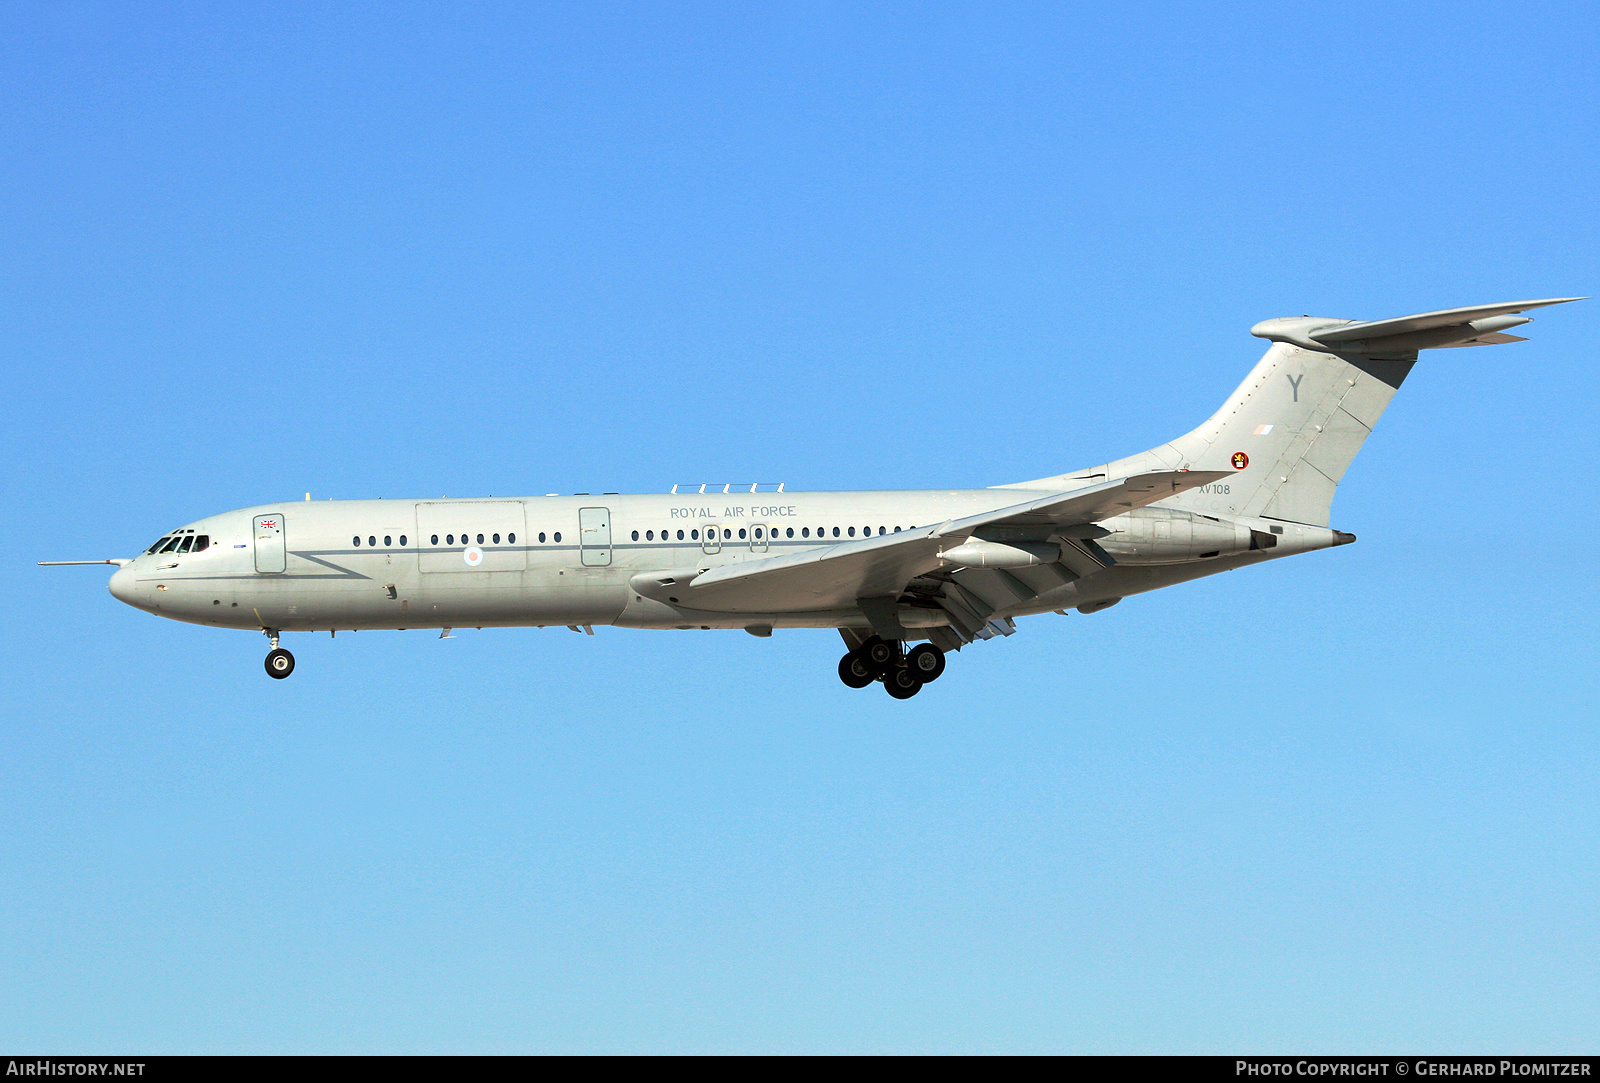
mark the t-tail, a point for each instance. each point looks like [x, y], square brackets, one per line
[1292, 428]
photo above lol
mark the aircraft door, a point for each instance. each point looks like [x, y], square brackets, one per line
[758, 538]
[594, 536]
[711, 540]
[271, 556]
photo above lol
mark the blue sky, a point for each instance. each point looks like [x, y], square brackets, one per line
[1344, 802]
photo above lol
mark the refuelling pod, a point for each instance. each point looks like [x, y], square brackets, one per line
[1171, 536]
[977, 553]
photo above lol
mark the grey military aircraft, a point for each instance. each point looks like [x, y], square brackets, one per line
[935, 568]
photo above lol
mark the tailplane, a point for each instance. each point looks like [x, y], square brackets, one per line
[1290, 431]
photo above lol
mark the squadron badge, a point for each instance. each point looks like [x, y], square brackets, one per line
[1240, 460]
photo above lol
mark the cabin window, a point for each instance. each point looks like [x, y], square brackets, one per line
[695, 534]
[402, 540]
[541, 537]
[790, 532]
[680, 535]
[435, 540]
[387, 541]
[805, 532]
[372, 541]
[635, 535]
[741, 532]
[649, 535]
[852, 532]
[897, 530]
[835, 532]
[495, 539]
[510, 538]
[480, 539]
[558, 535]
[758, 532]
[356, 542]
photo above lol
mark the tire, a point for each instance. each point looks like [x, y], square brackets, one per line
[926, 661]
[878, 653]
[856, 671]
[901, 683]
[280, 663]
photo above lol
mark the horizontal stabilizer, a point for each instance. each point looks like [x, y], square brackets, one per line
[1403, 336]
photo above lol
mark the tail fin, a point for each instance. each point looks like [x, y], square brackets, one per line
[1292, 428]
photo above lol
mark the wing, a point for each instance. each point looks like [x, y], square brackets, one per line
[880, 567]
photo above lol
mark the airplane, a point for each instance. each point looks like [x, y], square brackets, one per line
[939, 568]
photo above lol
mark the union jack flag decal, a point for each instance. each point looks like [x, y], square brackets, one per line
[269, 524]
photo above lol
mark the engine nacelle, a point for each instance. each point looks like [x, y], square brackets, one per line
[1171, 536]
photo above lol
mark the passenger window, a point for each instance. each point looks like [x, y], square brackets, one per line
[790, 532]
[510, 539]
[541, 537]
[695, 534]
[387, 541]
[449, 539]
[741, 532]
[435, 540]
[480, 539]
[835, 532]
[356, 542]
[680, 535]
[202, 542]
[402, 541]
[649, 535]
[897, 530]
[852, 532]
[558, 535]
[805, 532]
[635, 535]
[372, 541]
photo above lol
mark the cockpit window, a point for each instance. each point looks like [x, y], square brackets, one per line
[201, 543]
[162, 541]
[183, 544]
[172, 544]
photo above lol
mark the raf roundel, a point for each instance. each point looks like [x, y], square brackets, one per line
[1240, 460]
[473, 556]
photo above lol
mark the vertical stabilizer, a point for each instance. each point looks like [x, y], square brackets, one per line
[1289, 432]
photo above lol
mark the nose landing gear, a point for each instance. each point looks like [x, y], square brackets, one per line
[903, 673]
[280, 663]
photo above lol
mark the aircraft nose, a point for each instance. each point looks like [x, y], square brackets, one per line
[122, 584]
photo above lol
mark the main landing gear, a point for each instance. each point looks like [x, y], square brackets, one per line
[902, 672]
[280, 663]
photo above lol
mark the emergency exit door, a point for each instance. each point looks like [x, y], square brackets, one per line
[594, 536]
[270, 555]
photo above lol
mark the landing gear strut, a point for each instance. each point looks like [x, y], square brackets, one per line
[903, 674]
[280, 663]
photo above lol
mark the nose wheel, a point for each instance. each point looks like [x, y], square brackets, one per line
[280, 663]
